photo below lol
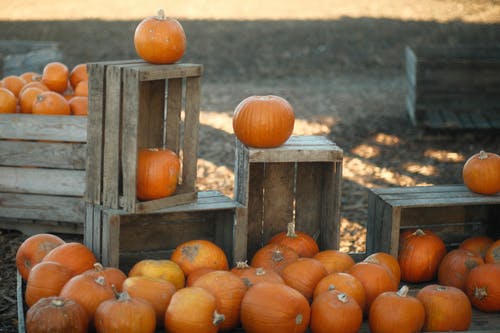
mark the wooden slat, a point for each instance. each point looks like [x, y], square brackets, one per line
[191, 130]
[331, 201]
[173, 117]
[255, 207]
[38, 127]
[151, 114]
[42, 181]
[43, 154]
[308, 197]
[148, 72]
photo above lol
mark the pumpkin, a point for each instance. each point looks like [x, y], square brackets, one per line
[348, 314]
[56, 315]
[263, 121]
[55, 76]
[273, 257]
[82, 88]
[27, 98]
[388, 261]
[88, 291]
[8, 101]
[300, 242]
[114, 276]
[342, 282]
[76, 256]
[375, 278]
[193, 310]
[335, 261]
[253, 275]
[455, 267]
[395, 312]
[483, 288]
[13, 83]
[157, 173]
[31, 76]
[50, 103]
[160, 39]
[492, 255]
[33, 249]
[45, 279]
[446, 308]
[303, 275]
[196, 274]
[156, 291]
[79, 105]
[478, 245]
[199, 253]
[420, 255]
[273, 307]
[77, 74]
[164, 269]
[34, 84]
[228, 290]
[481, 173]
[125, 314]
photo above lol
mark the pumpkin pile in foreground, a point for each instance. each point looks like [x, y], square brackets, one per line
[289, 286]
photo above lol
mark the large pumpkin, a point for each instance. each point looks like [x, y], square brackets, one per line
[263, 121]
[46, 279]
[299, 241]
[483, 287]
[274, 257]
[335, 260]
[76, 256]
[33, 249]
[303, 275]
[160, 39]
[342, 282]
[114, 276]
[455, 267]
[56, 315]
[199, 253]
[157, 173]
[348, 314]
[481, 173]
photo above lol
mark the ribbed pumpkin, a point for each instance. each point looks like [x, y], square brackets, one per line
[335, 261]
[303, 275]
[196, 274]
[77, 74]
[455, 267]
[55, 76]
[114, 276]
[274, 257]
[478, 245]
[396, 312]
[157, 173]
[8, 101]
[492, 255]
[33, 249]
[125, 314]
[193, 310]
[199, 253]
[347, 317]
[483, 287]
[76, 256]
[300, 242]
[50, 103]
[165, 269]
[272, 307]
[342, 282]
[420, 255]
[481, 173]
[156, 291]
[228, 290]
[27, 98]
[252, 275]
[388, 261]
[160, 39]
[46, 279]
[446, 308]
[56, 315]
[263, 121]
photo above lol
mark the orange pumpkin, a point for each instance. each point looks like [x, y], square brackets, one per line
[34, 84]
[27, 98]
[335, 261]
[56, 314]
[482, 287]
[420, 255]
[76, 256]
[252, 275]
[157, 173]
[160, 39]
[79, 105]
[394, 312]
[303, 275]
[274, 257]
[8, 101]
[196, 274]
[492, 255]
[50, 103]
[345, 283]
[478, 245]
[77, 74]
[481, 173]
[388, 261]
[446, 308]
[199, 253]
[165, 269]
[300, 242]
[272, 307]
[263, 121]
[114, 276]
[455, 267]
[348, 314]
[55, 76]
[31, 76]
[45, 279]
[33, 249]
[82, 88]
[14, 83]
[193, 310]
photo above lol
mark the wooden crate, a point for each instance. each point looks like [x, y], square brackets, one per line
[452, 211]
[132, 105]
[42, 173]
[299, 181]
[454, 87]
[120, 239]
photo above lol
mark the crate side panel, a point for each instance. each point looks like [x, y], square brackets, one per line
[255, 207]
[308, 198]
[151, 114]
[173, 117]
[331, 201]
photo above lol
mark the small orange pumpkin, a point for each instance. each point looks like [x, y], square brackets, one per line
[27, 98]
[348, 314]
[160, 39]
[263, 121]
[165, 269]
[79, 105]
[76, 256]
[253, 275]
[199, 253]
[388, 261]
[299, 241]
[303, 275]
[14, 83]
[481, 173]
[455, 267]
[77, 74]
[45, 279]
[50, 103]
[56, 314]
[482, 287]
[345, 283]
[196, 274]
[55, 76]
[335, 261]
[478, 245]
[114, 276]
[492, 255]
[82, 88]
[157, 173]
[274, 257]
[8, 101]
[31, 76]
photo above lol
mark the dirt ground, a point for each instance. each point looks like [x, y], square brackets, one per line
[342, 71]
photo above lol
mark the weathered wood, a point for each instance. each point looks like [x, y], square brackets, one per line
[173, 118]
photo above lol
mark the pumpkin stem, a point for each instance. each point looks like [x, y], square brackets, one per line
[403, 292]
[260, 271]
[331, 287]
[242, 264]
[218, 318]
[298, 319]
[100, 280]
[247, 282]
[98, 267]
[277, 256]
[419, 232]
[480, 293]
[343, 297]
[161, 14]
[115, 292]
[482, 155]
[291, 230]
[57, 302]
[123, 296]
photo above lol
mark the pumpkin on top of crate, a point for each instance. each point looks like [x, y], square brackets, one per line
[481, 173]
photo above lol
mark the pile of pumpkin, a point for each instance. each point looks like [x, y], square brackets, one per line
[55, 91]
[289, 286]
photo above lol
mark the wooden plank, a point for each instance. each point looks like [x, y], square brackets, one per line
[110, 249]
[191, 130]
[42, 207]
[332, 195]
[255, 207]
[151, 115]
[240, 232]
[43, 154]
[411, 66]
[42, 181]
[154, 205]
[20, 306]
[309, 198]
[149, 72]
[39, 127]
[88, 227]
[224, 221]
[173, 117]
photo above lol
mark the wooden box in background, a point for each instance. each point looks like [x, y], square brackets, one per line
[132, 105]
[299, 181]
[451, 211]
[453, 87]
[42, 173]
